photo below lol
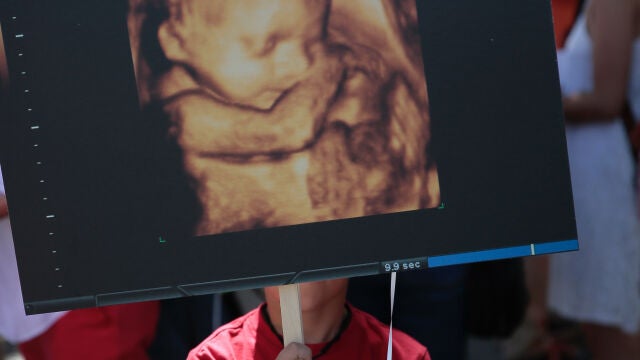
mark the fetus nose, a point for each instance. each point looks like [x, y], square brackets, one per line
[292, 62]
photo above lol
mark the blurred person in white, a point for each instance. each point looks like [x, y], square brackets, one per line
[598, 286]
[15, 326]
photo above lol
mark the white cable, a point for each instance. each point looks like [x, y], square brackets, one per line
[393, 295]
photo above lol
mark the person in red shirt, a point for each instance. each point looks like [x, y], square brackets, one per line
[101, 333]
[333, 330]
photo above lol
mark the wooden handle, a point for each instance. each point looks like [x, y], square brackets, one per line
[291, 314]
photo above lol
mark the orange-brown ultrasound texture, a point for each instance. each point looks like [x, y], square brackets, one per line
[343, 134]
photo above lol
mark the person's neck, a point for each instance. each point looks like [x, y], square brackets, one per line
[320, 324]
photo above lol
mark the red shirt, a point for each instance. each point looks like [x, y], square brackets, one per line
[103, 333]
[564, 15]
[251, 337]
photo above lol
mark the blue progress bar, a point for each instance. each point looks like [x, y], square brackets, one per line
[554, 247]
[503, 253]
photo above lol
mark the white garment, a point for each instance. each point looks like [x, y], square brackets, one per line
[601, 282]
[15, 326]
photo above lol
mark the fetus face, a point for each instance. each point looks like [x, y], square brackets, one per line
[248, 52]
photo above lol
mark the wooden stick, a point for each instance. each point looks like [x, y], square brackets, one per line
[291, 314]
